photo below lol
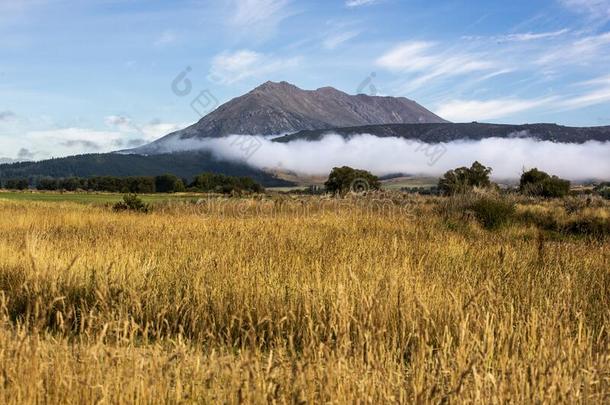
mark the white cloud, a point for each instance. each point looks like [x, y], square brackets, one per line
[598, 94]
[531, 36]
[357, 3]
[24, 142]
[231, 67]
[258, 19]
[476, 110]
[584, 50]
[588, 99]
[424, 59]
[394, 155]
[597, 9]
[336, 39]
[148, 132]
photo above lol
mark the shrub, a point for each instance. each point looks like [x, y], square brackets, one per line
[603, 190]
[345, 179]
[493, 213]
[538, 183]
[573, 205]
[132, 202]
[464, 179]
[594, 226]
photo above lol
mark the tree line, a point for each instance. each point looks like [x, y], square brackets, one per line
[533, 182]
[166, 183]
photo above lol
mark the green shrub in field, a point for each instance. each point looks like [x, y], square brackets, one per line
[538, 183]
[489, 209]
[603, 190]
[346, 179]
[588, 226]
[493, 212]
[464, 179]
[132, 202]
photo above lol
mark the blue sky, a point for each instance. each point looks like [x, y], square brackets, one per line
[96, 75]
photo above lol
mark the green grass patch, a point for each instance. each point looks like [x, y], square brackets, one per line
[90, 198]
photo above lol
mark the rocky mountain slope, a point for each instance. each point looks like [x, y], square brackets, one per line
[282, 108]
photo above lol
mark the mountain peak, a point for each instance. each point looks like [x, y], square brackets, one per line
[271, 86]
[275, 108]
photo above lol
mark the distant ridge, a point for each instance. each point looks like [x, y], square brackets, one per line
[447, 132]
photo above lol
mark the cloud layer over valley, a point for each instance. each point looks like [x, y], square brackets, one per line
[507, 157]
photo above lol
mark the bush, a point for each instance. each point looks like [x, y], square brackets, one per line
[464, 179]
[603, 190]
[538, 183]
[573, 205]
[132, 202]
[345, 179]
[593, 226]
[493, 213]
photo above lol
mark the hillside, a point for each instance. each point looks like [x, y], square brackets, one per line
[447, 132]
[186, 164]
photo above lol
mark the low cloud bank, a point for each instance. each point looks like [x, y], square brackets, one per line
[507, 156]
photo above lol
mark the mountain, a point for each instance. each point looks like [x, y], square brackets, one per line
[447, 132]
[281, 108]
[185, 164]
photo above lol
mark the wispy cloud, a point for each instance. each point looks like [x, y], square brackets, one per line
[231, 67]
[429, 62]
[148, 131]
[519, 37]
[477, 110]
[583, 50]
[336, 39]
[596, 9]
[598, 92]
[357, 3]
[258, 19]
[532, 36]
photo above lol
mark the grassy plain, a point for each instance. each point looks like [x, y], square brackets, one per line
[89, 198]
[297, 300]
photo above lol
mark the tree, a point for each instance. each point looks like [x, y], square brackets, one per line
[479, 175]
[167, 183]
[47, 184]
[538, 183]
[464, 179]
[219, 183]
[70, 184]
[17, 184]
[344, 179]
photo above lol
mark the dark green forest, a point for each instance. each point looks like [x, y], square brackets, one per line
[185, 165]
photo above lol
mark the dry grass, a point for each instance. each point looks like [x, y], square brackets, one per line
[296, 301]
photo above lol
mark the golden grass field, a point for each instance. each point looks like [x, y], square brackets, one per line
[296, 301]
